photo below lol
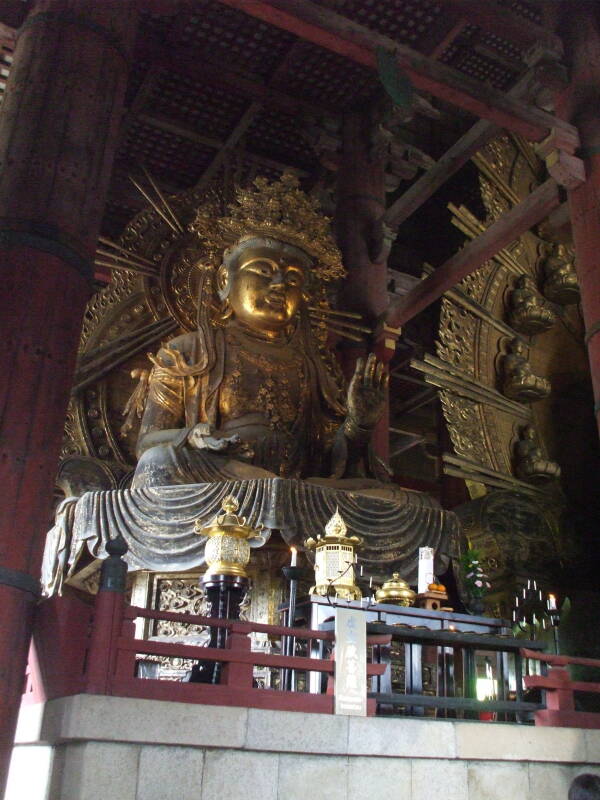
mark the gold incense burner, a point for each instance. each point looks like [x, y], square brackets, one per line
[396, 591]
[334, 561]
[227, 550]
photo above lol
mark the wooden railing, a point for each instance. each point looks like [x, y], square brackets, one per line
[107, 663]
[81, 647]
[559, 691]
[463, 647]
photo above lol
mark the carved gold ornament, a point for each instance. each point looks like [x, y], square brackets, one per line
[277, 210]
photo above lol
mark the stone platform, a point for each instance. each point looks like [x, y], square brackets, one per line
[91, 747]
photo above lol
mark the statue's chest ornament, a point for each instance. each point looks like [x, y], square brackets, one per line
[274, 386]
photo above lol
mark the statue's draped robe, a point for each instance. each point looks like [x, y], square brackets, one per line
[277, 480]
[280, 414]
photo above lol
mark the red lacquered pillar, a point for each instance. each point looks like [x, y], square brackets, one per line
[58, 133]
[581, 105]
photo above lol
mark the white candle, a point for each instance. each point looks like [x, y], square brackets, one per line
[371, 582]
[294, 557]
[361, 570]
[551, 602]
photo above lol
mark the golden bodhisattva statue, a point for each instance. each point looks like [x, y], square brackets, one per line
[529, 312]
[560, 279]
[530, 463]
[252, 393]
[248, 404]
[519, 380]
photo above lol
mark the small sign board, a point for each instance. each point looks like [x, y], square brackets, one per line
[350, 662]
[426, 556]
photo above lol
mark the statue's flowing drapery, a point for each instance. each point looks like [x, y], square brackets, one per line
[158, 522]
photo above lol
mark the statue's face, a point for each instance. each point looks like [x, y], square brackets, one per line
[264, 287]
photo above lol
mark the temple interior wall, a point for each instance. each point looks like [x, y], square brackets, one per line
[89, 747]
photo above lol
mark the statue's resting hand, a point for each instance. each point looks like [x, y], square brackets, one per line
[366, 396]
[204, 437]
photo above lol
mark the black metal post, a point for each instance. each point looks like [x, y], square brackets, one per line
[113, 572]
[224, 594]
[288, 676]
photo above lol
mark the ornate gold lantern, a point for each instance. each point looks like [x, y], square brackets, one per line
[227, 550]
[334, 560]
[396, 591]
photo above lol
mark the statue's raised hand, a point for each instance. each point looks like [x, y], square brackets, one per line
[366, 396]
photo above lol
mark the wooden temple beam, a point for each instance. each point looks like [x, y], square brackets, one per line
[449, 37]
[177, 129]
[243, 124]
[192, 62]
[13, 12]
[454, 158]
[341, 35]
[501, 233]
[502, 22]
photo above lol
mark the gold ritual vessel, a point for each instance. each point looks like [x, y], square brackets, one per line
[227, 550]
[334, 561]
[396, 591]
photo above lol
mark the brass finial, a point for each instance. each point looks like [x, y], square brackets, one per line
[230, 504]
[336, 525]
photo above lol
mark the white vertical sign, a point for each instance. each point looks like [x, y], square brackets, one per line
[350, 662]
[426, 555]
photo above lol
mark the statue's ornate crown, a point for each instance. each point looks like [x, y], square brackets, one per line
[280, 210]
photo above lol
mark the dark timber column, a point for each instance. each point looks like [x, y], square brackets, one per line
[581, 105]
[360, 208]
[58, 128]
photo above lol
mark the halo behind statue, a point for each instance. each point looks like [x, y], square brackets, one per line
[186, 235]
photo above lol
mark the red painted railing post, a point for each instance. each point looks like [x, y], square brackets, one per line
[107, 621]
[560, 699]
[238, 674]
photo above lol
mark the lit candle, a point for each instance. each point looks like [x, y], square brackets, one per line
[294, 556]
[371, 582]
[517, 600]
[361, 570]
[551, 602]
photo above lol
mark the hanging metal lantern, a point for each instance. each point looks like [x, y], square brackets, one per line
[227, 550]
